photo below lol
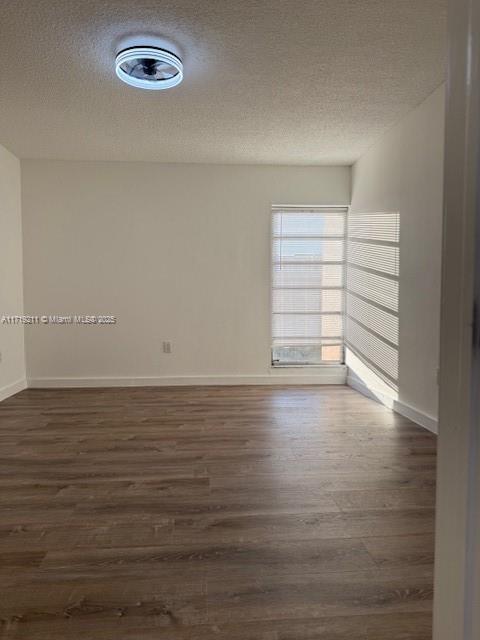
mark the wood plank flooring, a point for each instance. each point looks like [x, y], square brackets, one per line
[239, 513]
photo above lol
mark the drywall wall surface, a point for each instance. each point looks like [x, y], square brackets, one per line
[12, 361]
[403, 173]
[177, 253]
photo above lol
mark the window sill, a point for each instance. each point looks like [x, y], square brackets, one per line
[274, 367]
[308, 374]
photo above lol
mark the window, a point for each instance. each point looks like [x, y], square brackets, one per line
[308, 278]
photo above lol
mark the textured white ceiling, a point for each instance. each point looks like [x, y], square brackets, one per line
[266, 81]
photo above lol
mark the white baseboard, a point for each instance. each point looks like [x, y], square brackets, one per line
[328, 375]
[374, 394]
[12, 389]
[422, 419]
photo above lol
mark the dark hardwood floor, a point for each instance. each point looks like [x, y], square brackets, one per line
[239, 513]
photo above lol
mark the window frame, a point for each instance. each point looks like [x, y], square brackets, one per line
[307, 207]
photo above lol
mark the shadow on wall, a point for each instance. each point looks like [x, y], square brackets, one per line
[372, 303]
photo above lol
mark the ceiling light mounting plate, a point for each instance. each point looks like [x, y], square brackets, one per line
[149, 68]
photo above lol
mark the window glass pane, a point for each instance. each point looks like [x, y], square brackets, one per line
[308, 250]
[307, 325]
[308, 224]
[302, 300]
[332, 353]
[313, 276]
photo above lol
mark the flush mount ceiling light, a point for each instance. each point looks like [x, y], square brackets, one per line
[149, 68]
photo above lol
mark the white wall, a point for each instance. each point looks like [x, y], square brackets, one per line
[457, 540]
[404, 172]
[12, 363]
[176, 252]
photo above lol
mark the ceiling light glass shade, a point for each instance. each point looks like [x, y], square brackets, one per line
[149, 68]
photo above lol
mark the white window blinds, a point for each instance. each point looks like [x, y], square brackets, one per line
[308, 277]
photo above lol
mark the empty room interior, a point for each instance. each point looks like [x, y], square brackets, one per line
[220, 286]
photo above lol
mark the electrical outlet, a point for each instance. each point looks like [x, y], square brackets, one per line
[167, 346]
